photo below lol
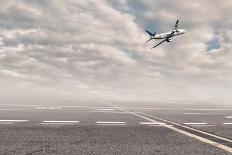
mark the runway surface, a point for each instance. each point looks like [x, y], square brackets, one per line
[116, 128]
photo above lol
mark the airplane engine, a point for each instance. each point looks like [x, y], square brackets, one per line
[169, 40]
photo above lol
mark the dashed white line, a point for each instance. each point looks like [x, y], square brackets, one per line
[48, 108]
[151, 123]
[227, 123]
[13, 120]
[160, 125]
[204, 113]
[10, 109]
[228, 117]
[105, 109]
[112, 124]
[60, 121]
[204, 125]
[101, 122]
[61, 106]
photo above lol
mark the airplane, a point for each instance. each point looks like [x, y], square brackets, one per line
[166, 36]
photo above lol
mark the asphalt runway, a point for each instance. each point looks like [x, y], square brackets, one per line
[116, 128]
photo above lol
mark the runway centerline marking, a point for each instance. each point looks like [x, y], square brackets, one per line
[47, 108]
[61, 106]
[112, 124]
[13, 120]
[173, 108]
[102, 122]
[202, 139]
[105, 109]
[204, 113]
[204, 125]
[60, 121]
[11, 109]
[227, 123]
[152, 123]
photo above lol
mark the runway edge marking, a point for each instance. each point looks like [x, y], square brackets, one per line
[221, 146]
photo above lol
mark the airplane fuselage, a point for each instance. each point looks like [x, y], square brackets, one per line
[169, 34]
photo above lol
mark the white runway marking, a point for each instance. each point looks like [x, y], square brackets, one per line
[48, 108]
[161, 125]
[101, 122]
[221, 146]
[173, 108]
[11, 109]
[112, 124]
[60, 121]
[228, 117]
[151, 123]
[203, 125]
[207, 109]
[13, 120]
[204, 113]
[105, 109]
[227, 123]
[195, 123]
[61, 106]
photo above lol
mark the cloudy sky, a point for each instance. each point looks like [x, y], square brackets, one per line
[95, 50]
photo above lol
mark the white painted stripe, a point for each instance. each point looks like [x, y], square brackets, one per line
[101, 122]
[204, 113]
[227, 123]
[11, 109]
[206, 109]
[151, 123]
[172, 108]
[48, 108]
[206, 125]
[195, 123]
[221, 146]
[105, 109]
[60, 121]
[228, 117]
[62, 106]
[159, 125]
[112, 124]
[13, 120]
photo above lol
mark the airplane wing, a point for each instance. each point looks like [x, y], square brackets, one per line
[160, 42]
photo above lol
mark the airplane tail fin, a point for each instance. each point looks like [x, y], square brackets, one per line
[150, 34]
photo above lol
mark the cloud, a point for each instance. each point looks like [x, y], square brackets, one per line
[98, 48]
